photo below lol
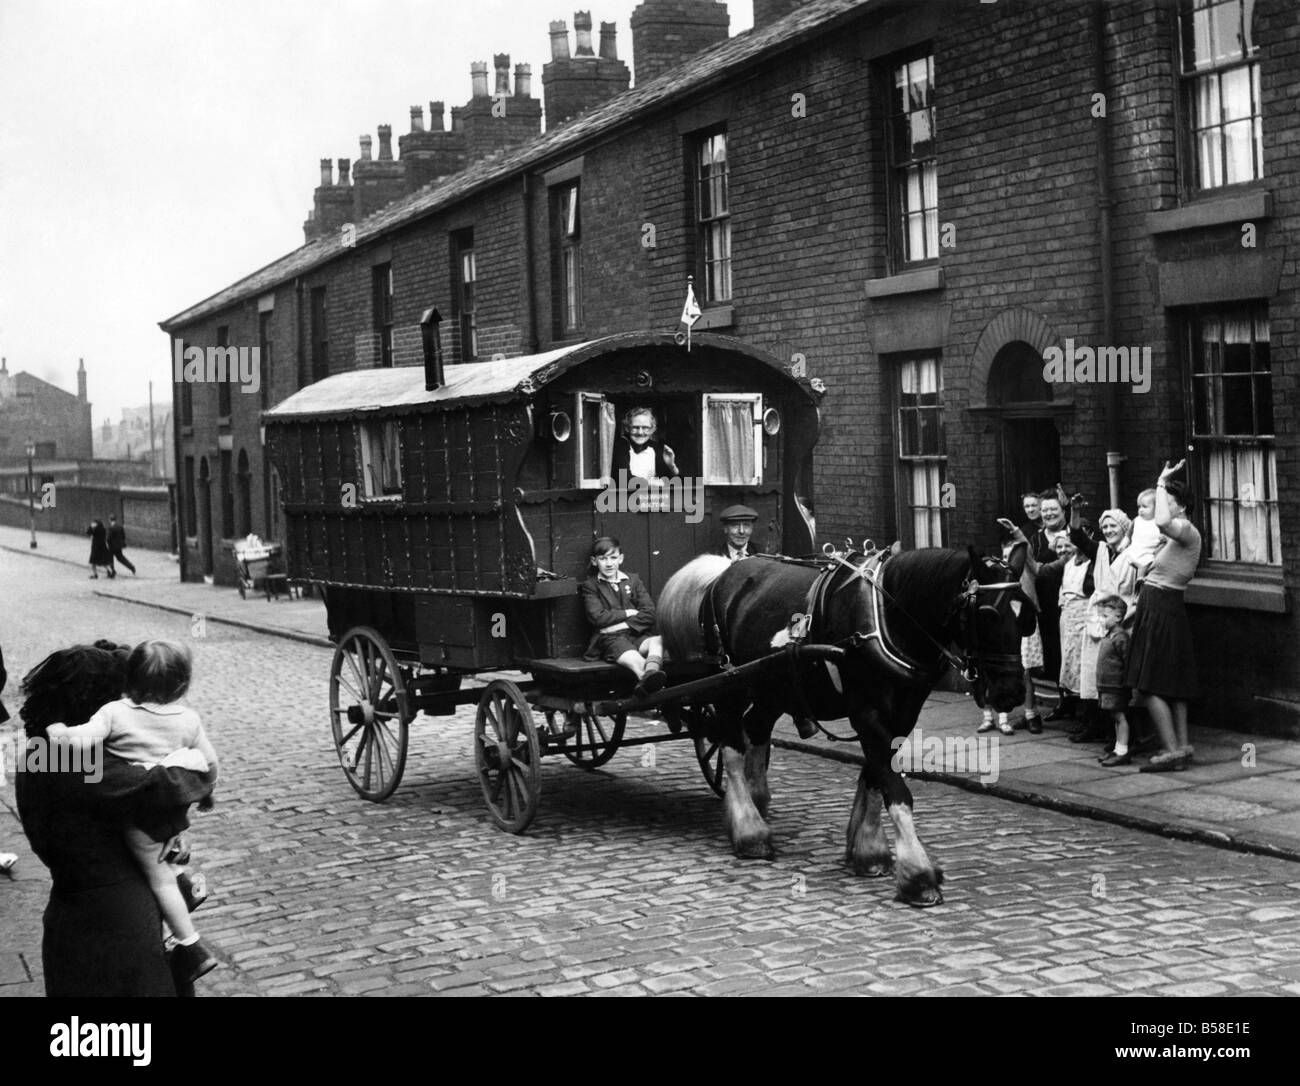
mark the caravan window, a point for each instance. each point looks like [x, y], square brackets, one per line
[597, 428]
[381, 459]
[733, 439]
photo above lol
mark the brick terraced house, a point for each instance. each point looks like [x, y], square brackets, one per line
[918, 200]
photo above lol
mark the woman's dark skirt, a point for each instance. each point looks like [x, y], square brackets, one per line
[1161, 659]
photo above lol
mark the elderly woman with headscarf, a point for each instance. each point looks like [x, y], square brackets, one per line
[1113, 574]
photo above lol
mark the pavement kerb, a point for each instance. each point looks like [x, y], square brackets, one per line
[38, 553]
[276, 631]
[1217, 838]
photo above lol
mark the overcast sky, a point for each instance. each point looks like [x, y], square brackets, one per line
[154, 151]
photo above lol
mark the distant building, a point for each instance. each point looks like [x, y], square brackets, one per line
[35, 410]
[129, 439]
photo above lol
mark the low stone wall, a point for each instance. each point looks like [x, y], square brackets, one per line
[145, 512]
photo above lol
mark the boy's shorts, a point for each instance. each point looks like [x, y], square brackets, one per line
[1113, 699]
[612, 645]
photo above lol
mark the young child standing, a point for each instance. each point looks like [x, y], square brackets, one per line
[1112, 659]
[623, 613]
[148, 727]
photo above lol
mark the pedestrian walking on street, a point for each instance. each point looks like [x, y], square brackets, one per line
[100, 555]
[117, 543]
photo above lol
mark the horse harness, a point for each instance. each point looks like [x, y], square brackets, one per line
[875, 641]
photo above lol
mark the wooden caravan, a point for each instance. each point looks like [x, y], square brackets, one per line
[457, 520]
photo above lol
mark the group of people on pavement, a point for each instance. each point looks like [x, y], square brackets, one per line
[1113, 632]
[106, 545]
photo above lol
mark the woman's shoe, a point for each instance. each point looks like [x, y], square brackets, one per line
[1034, 724]
[191, 962]
[987, 724]
[1167, 761]
[1111, 760]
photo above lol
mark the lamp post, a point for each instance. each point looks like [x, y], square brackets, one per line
[31, 493]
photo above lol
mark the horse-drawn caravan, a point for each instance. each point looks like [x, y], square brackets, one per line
[448, 517]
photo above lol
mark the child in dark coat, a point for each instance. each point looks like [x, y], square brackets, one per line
[1112, 659]
[622, 611]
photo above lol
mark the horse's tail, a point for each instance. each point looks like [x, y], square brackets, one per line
[679, 605]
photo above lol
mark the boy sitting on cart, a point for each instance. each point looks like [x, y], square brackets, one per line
[623, 612]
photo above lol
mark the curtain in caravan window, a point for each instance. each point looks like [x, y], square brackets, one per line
[730, 426]
[608, 430]
[599, 423]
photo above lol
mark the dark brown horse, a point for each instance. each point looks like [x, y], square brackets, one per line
[894, 621]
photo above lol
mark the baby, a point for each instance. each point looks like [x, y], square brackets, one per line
[148, 727]
[1147, 538]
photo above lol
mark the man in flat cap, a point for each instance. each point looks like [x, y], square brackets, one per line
[738, 527]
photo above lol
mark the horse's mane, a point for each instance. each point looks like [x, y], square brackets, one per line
[69, 685]
[927, 581]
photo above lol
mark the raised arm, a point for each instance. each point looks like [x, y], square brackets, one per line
[1174, 527]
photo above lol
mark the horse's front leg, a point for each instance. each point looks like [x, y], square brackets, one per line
[867, 849]
[917, 876]
[751, 839]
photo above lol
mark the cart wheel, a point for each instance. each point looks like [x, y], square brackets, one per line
[604, 736]
[708, 752]
[507, 755]
[369, 713]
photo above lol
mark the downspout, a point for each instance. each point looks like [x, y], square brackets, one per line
[530, 283]
[179, 491]
[1101, 130]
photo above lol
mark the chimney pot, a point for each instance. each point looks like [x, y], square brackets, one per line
[417, 118]
[523, 81]
[478, 78]
[502, 64]
[582, 27]
[365, 148]
[385, 143]
[326, 172]
[436, 111]
[609, 41]
[560, 40]
[345, 171]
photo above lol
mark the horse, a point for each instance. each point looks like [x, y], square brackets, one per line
[885, 622]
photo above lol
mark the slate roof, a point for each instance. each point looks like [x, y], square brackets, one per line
[690, 78]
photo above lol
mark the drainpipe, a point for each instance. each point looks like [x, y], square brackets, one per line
[178, 457]
[1101, 130]
[530, 285]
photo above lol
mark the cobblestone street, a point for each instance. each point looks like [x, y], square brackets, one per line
[625, 884]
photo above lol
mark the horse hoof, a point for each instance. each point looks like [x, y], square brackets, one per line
[921, 890]
[758, 848]
[925, 900]
[871, 868]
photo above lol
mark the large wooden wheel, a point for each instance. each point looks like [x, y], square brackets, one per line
[507, 755]
[708, 752]
[369, 713]
[601, 735]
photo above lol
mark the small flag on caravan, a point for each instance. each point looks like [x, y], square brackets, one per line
[690, 311]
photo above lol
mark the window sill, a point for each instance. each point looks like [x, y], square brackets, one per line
[912, 282]
[1215, 210]
[382, 499]
[1232, 591]
[722, 316]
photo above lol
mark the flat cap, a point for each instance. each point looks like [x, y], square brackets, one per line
[738, 512]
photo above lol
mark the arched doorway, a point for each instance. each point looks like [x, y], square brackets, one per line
[206, 556]
[1029, 453]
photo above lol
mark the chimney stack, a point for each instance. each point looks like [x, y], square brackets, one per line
[331, 204]
[523, 81]
[667, 33]
[345, 171]
[560, 40]
[417, 118]
[767, 12]
[81, 379]
[502, 63]
[608, 41]
[385, 143]
[486, 126]
[365, 149]
[436, 116]
[582, 30]
[478, 78]
[326, 172]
